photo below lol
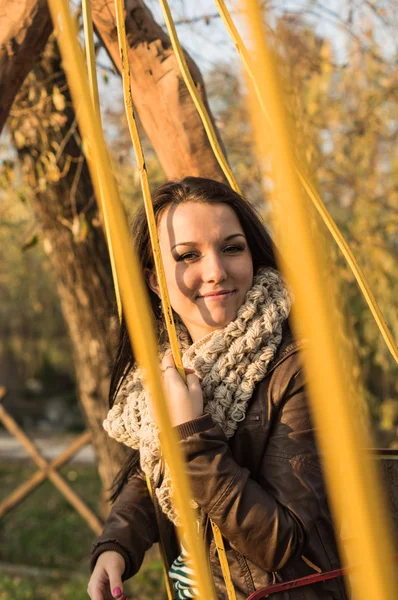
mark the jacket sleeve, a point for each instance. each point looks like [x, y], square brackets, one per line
[130, 528]
[266, 520]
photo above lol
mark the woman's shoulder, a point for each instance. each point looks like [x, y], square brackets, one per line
[286, 368]
[288, 355]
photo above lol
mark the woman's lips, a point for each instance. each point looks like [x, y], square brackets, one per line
[222, 296]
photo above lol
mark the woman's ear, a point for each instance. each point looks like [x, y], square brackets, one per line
[152, 280]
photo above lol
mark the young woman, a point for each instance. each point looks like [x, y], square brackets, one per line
[242, 418]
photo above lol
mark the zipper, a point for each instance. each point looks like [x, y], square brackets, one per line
[245, 569]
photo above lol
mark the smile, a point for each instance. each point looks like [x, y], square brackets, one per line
[220, 296]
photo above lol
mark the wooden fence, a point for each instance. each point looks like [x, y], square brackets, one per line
[46, 470]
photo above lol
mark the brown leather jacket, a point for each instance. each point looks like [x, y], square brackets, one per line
[264, 489]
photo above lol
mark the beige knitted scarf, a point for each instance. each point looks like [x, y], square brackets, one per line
[229, 363]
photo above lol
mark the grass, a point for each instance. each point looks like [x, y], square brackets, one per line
[21, 588]
[147, 585]
[45, 532]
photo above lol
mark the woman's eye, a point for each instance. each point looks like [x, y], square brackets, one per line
[236, 248]
[187, 256]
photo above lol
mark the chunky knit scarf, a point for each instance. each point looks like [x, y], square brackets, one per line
[229, 363]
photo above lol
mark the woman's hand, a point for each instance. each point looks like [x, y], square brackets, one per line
[185, 401]
[106, 579]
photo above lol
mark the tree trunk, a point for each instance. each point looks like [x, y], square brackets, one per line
[43, 127]
[165, 108]
[163, 103]
[25, 28]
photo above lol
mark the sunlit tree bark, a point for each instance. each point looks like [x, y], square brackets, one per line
[163, 103]
[24, 30]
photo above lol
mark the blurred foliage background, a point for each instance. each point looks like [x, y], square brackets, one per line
[341, 77]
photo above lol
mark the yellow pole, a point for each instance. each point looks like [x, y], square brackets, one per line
[189, 82]
[352, 263]
[357, 497]
[313, 194]
[166, 306]
[135, 138]
[90, 54]
[134, 298]
[93, 84]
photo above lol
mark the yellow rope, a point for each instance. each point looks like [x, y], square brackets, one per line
[93, 84]
[147, 200]
[312, 193]
[359, 500]
[132, 288]
[166, 306]
[90, 54]
[92, 77]
[352, 262]
[233, 183]
[128, 99]
[204, 115]
[229, 586]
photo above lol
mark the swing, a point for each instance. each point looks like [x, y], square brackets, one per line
[130, 288]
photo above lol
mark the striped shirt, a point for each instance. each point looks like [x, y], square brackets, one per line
[183, 577]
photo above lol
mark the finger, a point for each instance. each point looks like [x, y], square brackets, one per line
[168, 361]
[193, 383]
[116, 585]
[95, 592]
[192, 375]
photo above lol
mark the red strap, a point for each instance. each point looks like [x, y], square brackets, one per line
[308, 580]
[295, 583]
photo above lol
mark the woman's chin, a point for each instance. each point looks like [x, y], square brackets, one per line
[222, 318]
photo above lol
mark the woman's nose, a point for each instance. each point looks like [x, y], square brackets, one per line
[214, 269]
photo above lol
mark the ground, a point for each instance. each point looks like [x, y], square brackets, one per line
[45, 544]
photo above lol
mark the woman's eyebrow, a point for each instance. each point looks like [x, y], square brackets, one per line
[229, 237]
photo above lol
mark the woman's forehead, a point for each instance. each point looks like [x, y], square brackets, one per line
[199, 219]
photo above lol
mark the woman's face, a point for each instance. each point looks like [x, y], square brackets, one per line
[207, 263]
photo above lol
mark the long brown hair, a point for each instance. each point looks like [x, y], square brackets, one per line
[189, 189]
